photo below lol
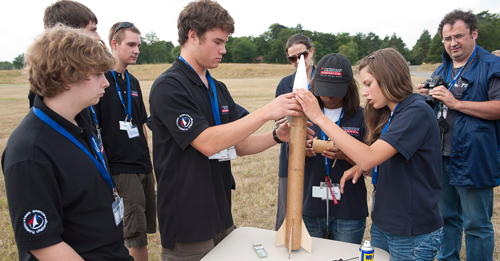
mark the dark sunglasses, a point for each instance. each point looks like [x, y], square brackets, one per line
[293, 58]
[121, 26]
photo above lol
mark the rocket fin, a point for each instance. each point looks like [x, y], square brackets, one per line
[305, 241]
[280, 235]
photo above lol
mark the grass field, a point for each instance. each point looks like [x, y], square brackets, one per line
[255, 197]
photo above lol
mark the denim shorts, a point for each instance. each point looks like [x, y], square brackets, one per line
[350, 231]
[421, 247]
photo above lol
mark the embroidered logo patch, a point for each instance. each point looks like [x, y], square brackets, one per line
[184, 122]
[351, 130]
[134, 93]
[225, 109]
[35, 221]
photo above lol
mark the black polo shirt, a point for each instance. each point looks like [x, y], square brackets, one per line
[125, 155]
[194, 193]
[353, 204]
[409, 183]
[55, 192]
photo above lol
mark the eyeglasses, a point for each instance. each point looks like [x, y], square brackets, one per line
[293, 58]
[457, 37]
[121, 26]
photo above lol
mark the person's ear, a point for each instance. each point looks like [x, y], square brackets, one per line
[114, 44]
[192, 36]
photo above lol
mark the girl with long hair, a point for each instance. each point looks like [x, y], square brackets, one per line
[342, 218]
[404, 150]
[296, 46]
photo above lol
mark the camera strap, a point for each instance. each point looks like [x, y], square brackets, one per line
[452, 83]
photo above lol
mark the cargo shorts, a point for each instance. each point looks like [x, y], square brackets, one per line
[139, 200]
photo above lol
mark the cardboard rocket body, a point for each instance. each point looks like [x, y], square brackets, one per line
[293, 232]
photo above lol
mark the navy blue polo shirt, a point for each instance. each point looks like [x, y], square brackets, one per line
[194, 193]
[353, 204]
[125, 155]
[55, 191]
[409, 183]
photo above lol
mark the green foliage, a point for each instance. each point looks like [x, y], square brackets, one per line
[243, 51]
[421, 48]
[489, 31]
[6, 65]
[18, 62]
[271, 44]
[436, 50]
[153, 50]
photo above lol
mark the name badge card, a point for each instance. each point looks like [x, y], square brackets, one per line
[219, 155]
[231, 154]
[323, 192]
[118, 210]
[133, 132]
[125, 125]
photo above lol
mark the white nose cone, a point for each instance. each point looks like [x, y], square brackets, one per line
[300, 81]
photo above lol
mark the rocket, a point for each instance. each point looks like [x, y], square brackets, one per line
[293, 232]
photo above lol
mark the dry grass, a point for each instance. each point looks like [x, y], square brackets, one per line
[255, 197]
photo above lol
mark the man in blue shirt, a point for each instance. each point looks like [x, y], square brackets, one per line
[468, 111]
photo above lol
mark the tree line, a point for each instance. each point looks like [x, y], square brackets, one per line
[269, 46]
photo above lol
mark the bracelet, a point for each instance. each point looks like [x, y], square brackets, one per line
[276, 136]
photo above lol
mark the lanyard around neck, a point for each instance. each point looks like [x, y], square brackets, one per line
[128, 108]
[452, 83]
[213, 100]
[101, 166]
[323, 137]
[386, 127]
[94, 116]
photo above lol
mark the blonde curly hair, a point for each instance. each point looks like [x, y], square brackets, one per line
[62, 55]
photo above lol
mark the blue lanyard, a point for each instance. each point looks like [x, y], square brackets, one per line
[386, 126]
[95, 117]
[101, 166]
[309, 84]
[323, 137]
[213, 100]
[450, 84]
[128, 108]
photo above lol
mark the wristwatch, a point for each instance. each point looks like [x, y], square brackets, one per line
[276, 136]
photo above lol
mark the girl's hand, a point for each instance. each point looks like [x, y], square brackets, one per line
[353, 173]
[309, 104]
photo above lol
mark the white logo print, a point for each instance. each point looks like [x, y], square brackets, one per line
[35, 221]
[184, 122]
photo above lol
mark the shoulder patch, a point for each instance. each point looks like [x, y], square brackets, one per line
[35, 221]
[184, 122]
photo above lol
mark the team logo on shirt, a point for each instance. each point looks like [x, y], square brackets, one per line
[134, 93]
[351, 130]
[225, 109]
[184, 122]
[35, 221]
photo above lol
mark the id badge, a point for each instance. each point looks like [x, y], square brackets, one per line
[219, 155]
[231, 154]
[323, 192]
[125, 125]
[99, 140]
[133, 132]
[118, 210]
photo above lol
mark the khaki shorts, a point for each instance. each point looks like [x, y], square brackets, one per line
[139, 200]
[193, 251]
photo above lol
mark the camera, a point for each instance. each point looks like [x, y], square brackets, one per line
[430, 84]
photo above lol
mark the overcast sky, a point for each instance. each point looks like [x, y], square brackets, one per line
[21, 21]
